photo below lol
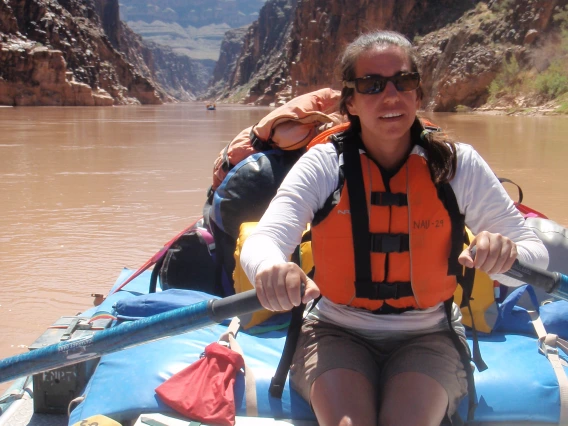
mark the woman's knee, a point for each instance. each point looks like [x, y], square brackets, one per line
[343, 397]
[412, 398]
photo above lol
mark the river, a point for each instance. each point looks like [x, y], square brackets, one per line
[87, 191]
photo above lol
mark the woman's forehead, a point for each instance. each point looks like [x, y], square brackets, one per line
[385, 60]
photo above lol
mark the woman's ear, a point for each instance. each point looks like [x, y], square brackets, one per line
[419, 96]
[350, 106]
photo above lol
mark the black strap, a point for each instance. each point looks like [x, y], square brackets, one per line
[258, 143]
[383, 291]
[389, 199]
[448, 197]
[359, 215]
[155, 273]
[387, 309]
[390, 243]
[505, 180]
[466, 361]
[277, 383]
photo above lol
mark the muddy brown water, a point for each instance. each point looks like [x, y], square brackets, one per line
[87, 191]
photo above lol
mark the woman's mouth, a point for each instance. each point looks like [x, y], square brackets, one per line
[391, 115]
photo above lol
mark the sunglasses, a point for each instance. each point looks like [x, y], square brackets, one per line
[373, 84]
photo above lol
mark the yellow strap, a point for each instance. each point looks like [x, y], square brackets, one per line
[97, 420]
[250, 382]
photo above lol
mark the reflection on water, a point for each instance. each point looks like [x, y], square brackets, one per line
[87, 191]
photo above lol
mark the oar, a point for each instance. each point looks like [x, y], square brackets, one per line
[129, 334]
[554, 283]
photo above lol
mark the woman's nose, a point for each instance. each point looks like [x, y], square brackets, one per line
[390, 89]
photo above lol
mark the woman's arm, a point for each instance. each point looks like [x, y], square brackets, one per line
[304, 191]
[490, 213]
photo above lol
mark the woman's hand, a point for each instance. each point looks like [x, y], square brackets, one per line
[494, 254]
[278, 287]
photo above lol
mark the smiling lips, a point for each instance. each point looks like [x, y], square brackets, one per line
[392, 115]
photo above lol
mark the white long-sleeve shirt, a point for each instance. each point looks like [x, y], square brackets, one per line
[480, 197]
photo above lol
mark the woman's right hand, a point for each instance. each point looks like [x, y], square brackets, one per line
[278, 287]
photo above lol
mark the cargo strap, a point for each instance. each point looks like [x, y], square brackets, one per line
[277, 382]
[465, 358]
[228, 338]
[549, 345]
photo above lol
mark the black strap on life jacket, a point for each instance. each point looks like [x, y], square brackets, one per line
[364, 242]
[465, 359]
[464, 279]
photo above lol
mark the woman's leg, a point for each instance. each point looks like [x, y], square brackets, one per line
[343, 397]
[422, 382]
[413, 399]
[337, 373]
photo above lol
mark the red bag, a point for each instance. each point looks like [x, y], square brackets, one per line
[204, 390]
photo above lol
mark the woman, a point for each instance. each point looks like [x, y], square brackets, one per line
[369, 352]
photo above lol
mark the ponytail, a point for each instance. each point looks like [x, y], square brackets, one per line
[440, 149]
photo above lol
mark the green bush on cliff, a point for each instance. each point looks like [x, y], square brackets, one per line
[507, 81]
[563, 105]
[550, 83]
[554, 81]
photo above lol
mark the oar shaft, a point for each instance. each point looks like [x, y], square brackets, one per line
[128, 334]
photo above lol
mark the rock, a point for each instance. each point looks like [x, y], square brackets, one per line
[530, 37]
[293, 47]
[57, 53]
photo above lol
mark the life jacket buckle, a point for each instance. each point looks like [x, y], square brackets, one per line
[390, 243]
[376, 291]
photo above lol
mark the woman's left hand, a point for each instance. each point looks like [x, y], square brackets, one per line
[495, 253]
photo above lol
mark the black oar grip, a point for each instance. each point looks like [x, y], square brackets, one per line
[548, 281]
[239, 304]
[552, 282]
[219, 310]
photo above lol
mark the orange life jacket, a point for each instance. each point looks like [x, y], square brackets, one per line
[409, 235]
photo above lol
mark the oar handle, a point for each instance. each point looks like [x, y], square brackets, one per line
[553, 283]
[239, 304]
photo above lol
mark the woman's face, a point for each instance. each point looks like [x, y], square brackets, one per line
[386, 116]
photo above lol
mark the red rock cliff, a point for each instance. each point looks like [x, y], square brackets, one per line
[58, 53]
[293, 47]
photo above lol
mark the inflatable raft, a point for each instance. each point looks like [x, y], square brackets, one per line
[521, 385]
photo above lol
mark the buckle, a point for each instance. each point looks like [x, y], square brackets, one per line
[545, 347]
[389, 243]
[387, 291]
[376, 291]
[389, 199]
[258, 143]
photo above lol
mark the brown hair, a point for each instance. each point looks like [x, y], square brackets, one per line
[442, 158]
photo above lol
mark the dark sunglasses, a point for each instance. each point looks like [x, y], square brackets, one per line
[373, 84]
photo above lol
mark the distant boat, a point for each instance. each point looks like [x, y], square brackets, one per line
[211, 107]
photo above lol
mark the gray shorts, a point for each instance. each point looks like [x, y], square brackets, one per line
[323, 346]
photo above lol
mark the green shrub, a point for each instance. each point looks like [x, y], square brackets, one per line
[462, 108]
[507, 80]
[554, 81]
[563, 105]
[562, 18]
[503, 5]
